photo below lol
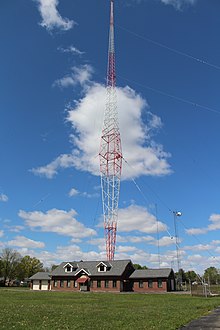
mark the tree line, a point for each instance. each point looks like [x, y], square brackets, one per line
[15, 267]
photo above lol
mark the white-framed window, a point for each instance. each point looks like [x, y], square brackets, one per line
[102, 267]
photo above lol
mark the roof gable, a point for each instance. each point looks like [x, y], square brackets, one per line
[83, 270]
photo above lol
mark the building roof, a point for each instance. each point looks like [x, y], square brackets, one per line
[41, 276]
[115, 268]
[151, 273]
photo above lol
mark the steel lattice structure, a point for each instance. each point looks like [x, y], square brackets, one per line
[110, 154]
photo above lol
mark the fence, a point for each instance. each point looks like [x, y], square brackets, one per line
[204, 289]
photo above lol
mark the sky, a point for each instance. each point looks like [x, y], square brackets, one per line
[52, 101]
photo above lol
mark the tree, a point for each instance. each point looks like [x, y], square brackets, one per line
[54, 267]
[191, 276]
[29, 266]
[9, 263]
[137, 266]
[211, 275]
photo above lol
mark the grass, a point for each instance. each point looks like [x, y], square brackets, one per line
[22, 309]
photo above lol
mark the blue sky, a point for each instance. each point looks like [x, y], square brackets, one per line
[53, 69]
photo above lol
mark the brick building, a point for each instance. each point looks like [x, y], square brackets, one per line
[114, 276]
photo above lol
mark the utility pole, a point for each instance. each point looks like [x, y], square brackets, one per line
[179, 279]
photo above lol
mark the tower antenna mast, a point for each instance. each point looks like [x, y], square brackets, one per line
[110, 154]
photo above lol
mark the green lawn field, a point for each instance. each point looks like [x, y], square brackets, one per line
[25, 309]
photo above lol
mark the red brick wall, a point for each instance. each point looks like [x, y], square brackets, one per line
[64, 288]
[94, 288]
[145, 287]
[103, 288]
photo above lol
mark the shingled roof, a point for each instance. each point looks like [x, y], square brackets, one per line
[115, 268]
[41, 276]
[151, 273]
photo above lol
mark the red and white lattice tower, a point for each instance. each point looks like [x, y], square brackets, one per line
[110, 154]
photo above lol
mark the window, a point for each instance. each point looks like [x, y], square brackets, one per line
[75, 284]
[68, 269]
[141, 284]
[114, 284]
[68, 283]
[159, 283]
[98, 284]
[106, 283]
[150, 283]
[61, 283]
[101, 268]
[55, 283]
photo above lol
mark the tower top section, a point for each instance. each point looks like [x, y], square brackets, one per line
[111, 76]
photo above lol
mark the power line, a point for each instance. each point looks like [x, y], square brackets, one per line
[169, 209]
[198, 240]
[194, 104]
[197, 59]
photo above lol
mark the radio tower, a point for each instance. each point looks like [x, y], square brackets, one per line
[110, 154]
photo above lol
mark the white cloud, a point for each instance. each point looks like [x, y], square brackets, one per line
[196, 231]
[15, 229]
[166, 241]
[1, 233]
[137, 218]
[24, 242]
[215, 225]
[51, 18]
[121, 249]
[3, 198]
[73, 192]
[56, 221]
[144, 156]
[199, 247]
[79, 75]
[71, 49]
[50, 170]
[179, 4]
[76, 240]
[88, 195]
[135, 239]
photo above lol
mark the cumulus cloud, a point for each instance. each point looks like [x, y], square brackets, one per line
[56, 221]
[24, 242]
[215, 225]
[166, 241]
[79, 75]
[141, 152]
[50, 170]
[137, 218]
[3, 198]
[51, 18]
[1, 233]
[196, 231]
[135, 239]
[199, 247]
[71, 49]
[73, 192]
[15, 229]
[179, 4]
